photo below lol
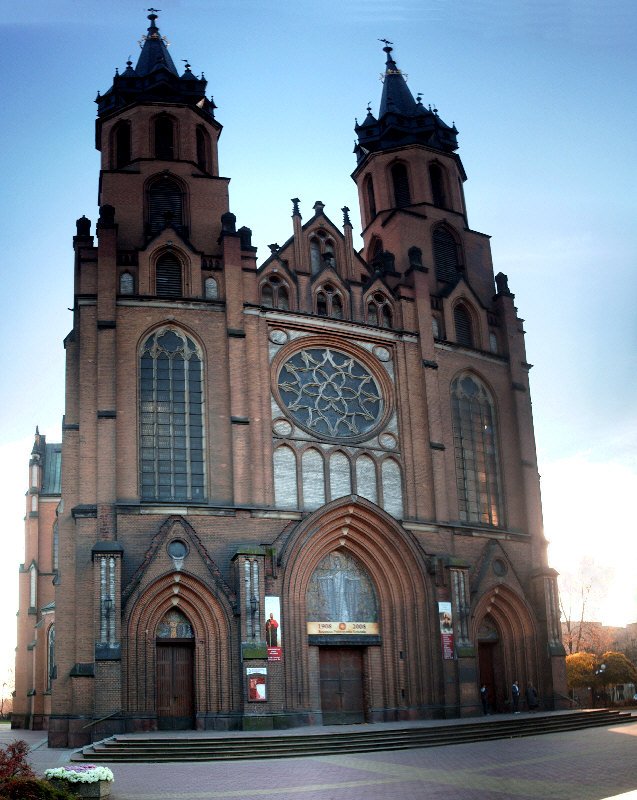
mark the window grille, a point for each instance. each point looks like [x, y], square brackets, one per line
[464, 328]
[171, 418]
[445, 255]
[165, 205]
[476, 452]
[400, 180]
[168, 276]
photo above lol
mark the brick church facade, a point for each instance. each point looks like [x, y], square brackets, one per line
[297, 492]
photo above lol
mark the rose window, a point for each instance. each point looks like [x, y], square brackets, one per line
[330, 393]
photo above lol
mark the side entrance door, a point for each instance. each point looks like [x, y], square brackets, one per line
[175, 687]
[341, 676]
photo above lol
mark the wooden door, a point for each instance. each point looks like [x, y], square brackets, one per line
[491, 667]
[175, 687]
[341, 676]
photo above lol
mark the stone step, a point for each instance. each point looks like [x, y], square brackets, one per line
[161, 748]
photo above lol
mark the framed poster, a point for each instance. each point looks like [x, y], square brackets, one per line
[257, 692]
[446, 630]
[273, 627]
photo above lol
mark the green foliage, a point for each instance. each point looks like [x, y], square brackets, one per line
[580, 669]
[32, 789]
[587, 669]
[619, 669]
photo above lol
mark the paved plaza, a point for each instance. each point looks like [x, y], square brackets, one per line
[583, 765]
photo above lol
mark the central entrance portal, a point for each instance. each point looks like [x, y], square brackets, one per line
[341, 676]
[175, 696]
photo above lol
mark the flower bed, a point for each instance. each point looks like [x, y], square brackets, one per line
[84, 780]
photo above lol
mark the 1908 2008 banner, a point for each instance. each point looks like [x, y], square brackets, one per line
[336, 628]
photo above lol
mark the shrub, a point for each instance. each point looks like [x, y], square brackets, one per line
[13, 761]
[32, 789]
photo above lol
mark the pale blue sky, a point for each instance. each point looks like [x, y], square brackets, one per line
[543, 95]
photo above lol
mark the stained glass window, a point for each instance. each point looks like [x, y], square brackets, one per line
[171, 418]
[476, 452]
[330, 393]
[175, 625]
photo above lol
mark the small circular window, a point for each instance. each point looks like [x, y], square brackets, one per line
[177, 549]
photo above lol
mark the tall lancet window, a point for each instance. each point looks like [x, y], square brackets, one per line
[165, 205]
[400, 180]
[164, 138]
[171, 418]
[476, 452]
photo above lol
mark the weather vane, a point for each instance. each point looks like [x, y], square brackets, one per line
[386, 41]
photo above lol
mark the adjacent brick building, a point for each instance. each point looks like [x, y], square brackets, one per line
[297, 492]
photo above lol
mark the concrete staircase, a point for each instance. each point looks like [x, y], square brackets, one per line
[197, 746]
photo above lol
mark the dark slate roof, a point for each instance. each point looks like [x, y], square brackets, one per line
[155, 79]
[52, 473]
[402, 120]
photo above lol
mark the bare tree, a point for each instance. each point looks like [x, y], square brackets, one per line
[581, 592]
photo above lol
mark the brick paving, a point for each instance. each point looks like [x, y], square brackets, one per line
[582, 765]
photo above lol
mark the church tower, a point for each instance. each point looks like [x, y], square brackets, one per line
[300, 493]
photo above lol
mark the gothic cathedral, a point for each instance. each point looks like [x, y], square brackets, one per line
[297, 492]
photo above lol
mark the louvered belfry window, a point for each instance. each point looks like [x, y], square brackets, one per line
[445, 255]
[122, 144]
[464, 329]
[168, 276]
[171, 418]
[165, 205]
[402, 195]
[476, 452]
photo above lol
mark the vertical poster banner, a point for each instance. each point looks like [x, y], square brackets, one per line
[256, 684]
[446, 629]
[273, 627]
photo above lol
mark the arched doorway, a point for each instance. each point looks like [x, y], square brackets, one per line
[504, 632]
[491, 664]
[175, 679]
[342, 618]
[367, 653]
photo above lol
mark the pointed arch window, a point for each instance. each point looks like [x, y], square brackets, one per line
[322, 252]
[171, 418]
[400, 182]
[446, 257]
[463, 325]
[164, 138]
[379, 310]
[274, 293]
[211, 289]
[476, 452]
[165, 205]
[285, 478]
[168, 276]
[122, 144]
[203, 148]
[126, 283]
[329, 302]
[438, 182]
[371, 198]
[51, 671]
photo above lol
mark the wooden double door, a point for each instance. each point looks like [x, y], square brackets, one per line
[175, 686]
[341, 677]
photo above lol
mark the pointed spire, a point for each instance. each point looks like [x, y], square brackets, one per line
[397, 97]
[401, 119]
[154, 53]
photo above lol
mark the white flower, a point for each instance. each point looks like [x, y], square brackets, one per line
[82, 773]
